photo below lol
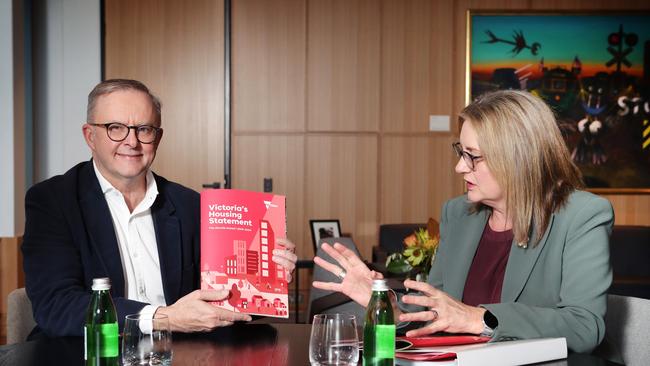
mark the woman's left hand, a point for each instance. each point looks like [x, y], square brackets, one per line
[445, 313]
[286, 257]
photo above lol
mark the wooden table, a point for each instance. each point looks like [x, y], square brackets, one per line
[241, 344]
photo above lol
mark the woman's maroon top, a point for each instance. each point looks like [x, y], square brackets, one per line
[485, 277]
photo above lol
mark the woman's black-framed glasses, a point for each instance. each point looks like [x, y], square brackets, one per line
[470, 159]
[118, 131]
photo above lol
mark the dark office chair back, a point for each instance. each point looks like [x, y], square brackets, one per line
[630, 255]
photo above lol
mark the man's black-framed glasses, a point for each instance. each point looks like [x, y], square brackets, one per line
[118, 131]
[470, 159]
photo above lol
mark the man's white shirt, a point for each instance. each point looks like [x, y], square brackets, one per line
[136, 238]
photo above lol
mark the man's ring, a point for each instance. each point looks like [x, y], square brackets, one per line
[342, 274]
[434, 314]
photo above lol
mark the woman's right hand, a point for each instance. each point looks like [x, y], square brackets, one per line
[357, 282]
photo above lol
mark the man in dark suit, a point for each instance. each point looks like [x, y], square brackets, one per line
[112, 217]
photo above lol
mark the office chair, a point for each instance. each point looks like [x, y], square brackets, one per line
[20, 320]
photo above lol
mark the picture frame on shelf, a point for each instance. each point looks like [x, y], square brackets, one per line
[321, 229]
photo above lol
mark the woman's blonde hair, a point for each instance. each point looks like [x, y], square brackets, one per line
[523, 148]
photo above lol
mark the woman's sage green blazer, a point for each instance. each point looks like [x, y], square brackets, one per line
[556, 288]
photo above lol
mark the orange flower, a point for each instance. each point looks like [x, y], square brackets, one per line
[410, 240]
[432, 243]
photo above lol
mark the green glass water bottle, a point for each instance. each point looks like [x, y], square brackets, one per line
[101, 333]
[379, 329]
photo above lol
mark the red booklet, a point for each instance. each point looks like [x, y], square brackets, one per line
[238, 235]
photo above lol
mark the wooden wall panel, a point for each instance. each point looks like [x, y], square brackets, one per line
[177, 50]
[631, 209]
[279, 157]
[589, 4]
[417, 177]
[341, 183]
[268, 65]
[11, 276]
[343, 65]
[417, 54]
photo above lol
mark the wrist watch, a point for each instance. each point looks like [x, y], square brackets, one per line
[490, 323]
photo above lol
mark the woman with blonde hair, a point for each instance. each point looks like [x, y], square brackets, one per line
[524, 253]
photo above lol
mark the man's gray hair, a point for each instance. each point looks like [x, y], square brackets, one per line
[113, 85]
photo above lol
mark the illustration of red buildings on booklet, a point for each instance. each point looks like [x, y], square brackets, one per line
[238, 232]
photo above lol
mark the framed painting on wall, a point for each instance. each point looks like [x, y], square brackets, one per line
[593, 69]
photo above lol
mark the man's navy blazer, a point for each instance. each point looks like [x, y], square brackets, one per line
[70, 239]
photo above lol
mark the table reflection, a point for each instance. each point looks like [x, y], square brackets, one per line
[238, 345]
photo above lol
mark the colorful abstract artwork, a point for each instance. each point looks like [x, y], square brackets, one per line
[592, 69]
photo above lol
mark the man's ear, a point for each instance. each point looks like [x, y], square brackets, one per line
[89, 135]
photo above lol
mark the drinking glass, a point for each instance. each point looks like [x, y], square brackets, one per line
[146, 341]
[334, 340]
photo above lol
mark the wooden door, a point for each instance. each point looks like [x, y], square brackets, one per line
[177, 49]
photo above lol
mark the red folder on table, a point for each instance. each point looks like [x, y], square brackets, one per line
[412, 343]
[446, 340]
